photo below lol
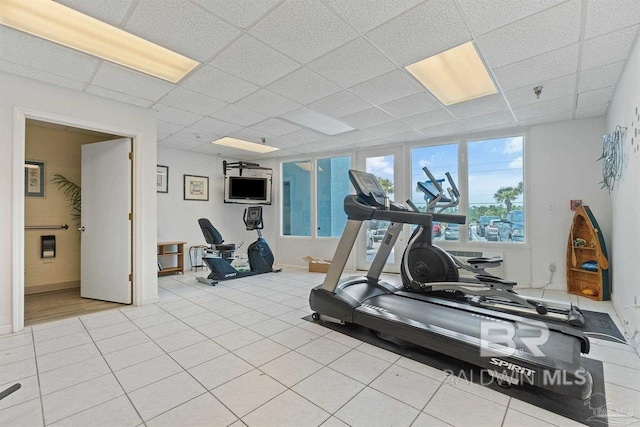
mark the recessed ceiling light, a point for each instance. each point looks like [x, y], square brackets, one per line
[455, 75]
[244, 145]
[316, 121]
[63, 25]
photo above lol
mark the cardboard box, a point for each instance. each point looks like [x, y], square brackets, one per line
[317, 265]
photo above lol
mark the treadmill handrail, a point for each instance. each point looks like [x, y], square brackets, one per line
[359, 211]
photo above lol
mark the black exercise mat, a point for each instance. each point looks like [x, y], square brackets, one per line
[586, 412]
[601, 323]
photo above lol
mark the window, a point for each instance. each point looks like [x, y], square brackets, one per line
[439, 159]
[296, 198]
[332, 187]
[496, 191]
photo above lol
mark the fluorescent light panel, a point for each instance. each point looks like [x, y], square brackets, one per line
[244, 145]
[63, 25]
[455, 75]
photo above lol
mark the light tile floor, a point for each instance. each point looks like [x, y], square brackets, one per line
[239, 354]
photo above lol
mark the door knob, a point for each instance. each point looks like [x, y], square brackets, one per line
[80, 228]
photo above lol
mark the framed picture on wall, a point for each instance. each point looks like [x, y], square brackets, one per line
[162, 179]
[34, 179]
[196, 187]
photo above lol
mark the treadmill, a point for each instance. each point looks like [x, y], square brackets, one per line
[535, 353]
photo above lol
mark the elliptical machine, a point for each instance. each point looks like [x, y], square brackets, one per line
[428, 269]
[219, 256]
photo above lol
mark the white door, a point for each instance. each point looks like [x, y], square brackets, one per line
[106, 229]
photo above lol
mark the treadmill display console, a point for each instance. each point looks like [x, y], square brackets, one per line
[368, 188]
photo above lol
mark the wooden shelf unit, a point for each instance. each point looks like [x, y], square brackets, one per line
[174, 250]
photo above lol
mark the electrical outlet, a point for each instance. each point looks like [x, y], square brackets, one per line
[552, 266]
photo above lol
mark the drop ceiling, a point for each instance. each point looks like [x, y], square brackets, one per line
[265, 60]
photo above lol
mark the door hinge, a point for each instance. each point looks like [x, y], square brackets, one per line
[131, 277]
[130, 156]
[130, 216]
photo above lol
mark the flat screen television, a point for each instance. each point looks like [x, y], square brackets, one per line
[248, 190]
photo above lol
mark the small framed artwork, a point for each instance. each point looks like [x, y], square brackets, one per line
[34, 179]
[162, 179]
[196, 187]
[575, 204]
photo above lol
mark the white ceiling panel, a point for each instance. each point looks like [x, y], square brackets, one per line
[33, 52]
[404, 137]
[209, 124]
[212, 149]
[612, 47]
[365, 15]
[423, 31]
[112, 11]
[600, 77]
[547, 66]
[252, 136]
[254, 61]
[444, 129]
[242, 13]
[489, 120]
[321, 145]
[304, 86]
[567, 115]
[604, 16]
[353, 63]
[303, 136]
[180, 143]
[388, 87]
[370, 144]
[192, 101]
[367, 118]
[124, 80]
[119, 96]
[539, 33]
[275, 127]
[196, 135]
[411, 105]
[594, 98]
[30, 73]
[218, 84]
[340, 104]
[268, 103]
[168, 128]
[596, 111]
[478, 107]
[356, 136]
[175, 115]
[181, 26]
[238, 115]
[487, 15]
[389, 129]
[554, 106]
[312, 29]
[430, 119]
[551, 89]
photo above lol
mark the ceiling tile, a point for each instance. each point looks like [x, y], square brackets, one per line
[604, 16]
[30, 73]
[365, 15]
[430, 119]
[370, 144]
[551, 89]
[181, 26]
[567, 115]
[600, 77]
[303, 136]
[367, 118]
[478, 107]
[304, 86]
[112, 11]
[597, 111]
[453, 128]
[543, 67]
[118, 96]
[355, 137]
[488, 120]
[406, 137]
[594, 98]
[612, 47]
[212, 149]
[238, 115]
[168, 128]
[353, 63]
[175, 115]
[304, 30]
[251, 135]
[389, 129]
[196, 135]
[340, 104]
[280, 153]
[268, 103]
[411, 105]
[192, 101]
[218, 84]
[430, 28]
[180, 143]
[254, 61]
[34, 52]
[242, 13]
[216, 126]
[488, 15]
[554, 106]
[275, 127]
[388, 87]
[327, 144]
[123, 80]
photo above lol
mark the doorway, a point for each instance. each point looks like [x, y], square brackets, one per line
[52, 238]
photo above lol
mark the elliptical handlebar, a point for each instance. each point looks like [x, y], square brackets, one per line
[453, 186]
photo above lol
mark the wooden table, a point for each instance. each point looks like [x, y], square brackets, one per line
[173, 251]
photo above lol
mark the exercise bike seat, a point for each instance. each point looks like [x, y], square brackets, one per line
[482, 260]
[493, 279]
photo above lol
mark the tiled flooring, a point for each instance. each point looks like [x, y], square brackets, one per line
[239, 354]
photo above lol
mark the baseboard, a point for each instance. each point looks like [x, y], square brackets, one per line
[49, 287]
[6, 329]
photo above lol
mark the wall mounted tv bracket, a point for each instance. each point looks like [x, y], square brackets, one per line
[241, 165]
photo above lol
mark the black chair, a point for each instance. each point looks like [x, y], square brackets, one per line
[215, 240]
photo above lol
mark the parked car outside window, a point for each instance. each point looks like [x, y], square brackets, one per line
[483, 221]
[491, 231]
[451, 232]
[437, 230]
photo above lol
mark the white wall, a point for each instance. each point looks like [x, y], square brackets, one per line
[625, 111]
[44, 100]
